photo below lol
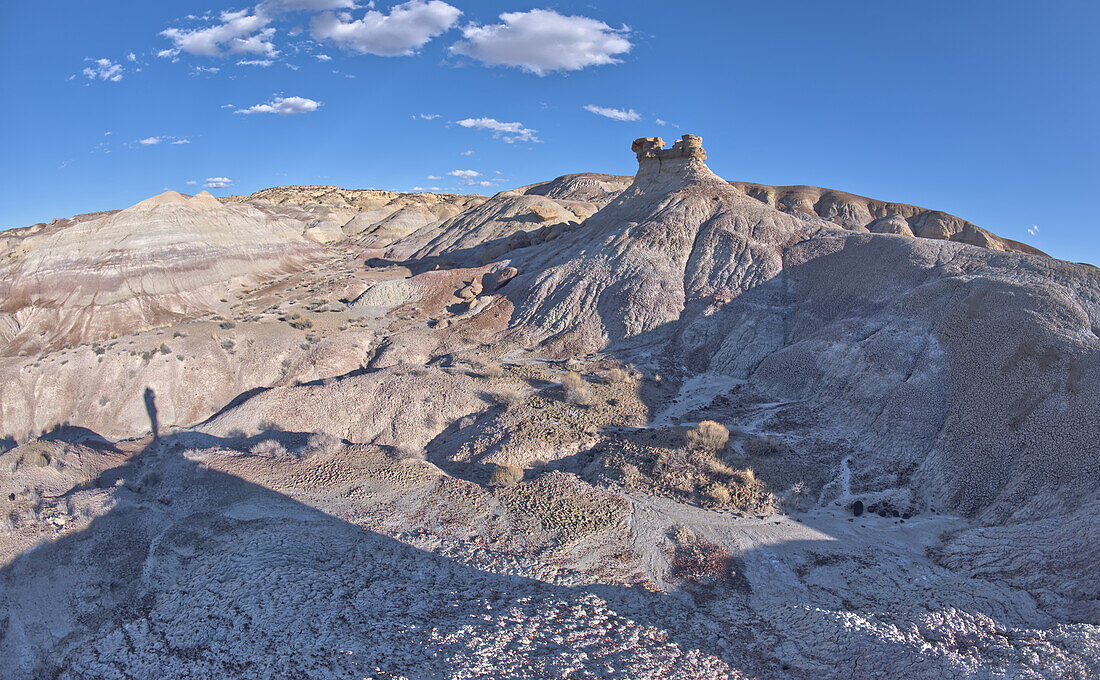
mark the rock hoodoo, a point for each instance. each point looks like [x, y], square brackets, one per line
[649, 148]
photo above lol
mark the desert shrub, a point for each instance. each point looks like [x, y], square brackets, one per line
[697, 560]
[99, 349]
[301, 324]
[510, 396]
[764, 445]
[492, 372]
[717, 495]
[505, 475]
[749, 493]
[165, 349]
[323, 442]
[227, 324]
[618, 375]
[39, 460]
[228, 344]
[576, 389]
[708, 436]
[268, 448]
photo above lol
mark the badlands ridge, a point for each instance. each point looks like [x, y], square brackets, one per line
[327, 433]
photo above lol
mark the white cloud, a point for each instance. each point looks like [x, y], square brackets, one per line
[103, 69]
[542, 41]
[131, 57]
[464, 173]
[255, 62]
[217, 183]
[323, 57]
[162, 139]
[1033, 230]
[482, 183]
[467, 152]
[408, 27]
[191, 182]
[227, 106]
[429, 116]
[196, 70]
[433, 177]
[238, 33]
[614, 114]
[509, 132]
[284, 106]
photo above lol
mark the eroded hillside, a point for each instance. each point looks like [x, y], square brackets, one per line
[655, 426]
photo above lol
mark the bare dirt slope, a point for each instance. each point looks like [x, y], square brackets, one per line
[419, 436]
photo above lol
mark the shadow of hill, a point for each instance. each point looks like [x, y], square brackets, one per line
[201, 573]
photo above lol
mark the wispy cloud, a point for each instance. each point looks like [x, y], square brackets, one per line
[255, 62]
[284, 106]
[508, 132]
[160, 139]
[103, 69]
[1033, 230]
[464, 173]
[427, 116]
[542, 41]
[217, 183]
[467, 152]
[408, 27]
[614, 114]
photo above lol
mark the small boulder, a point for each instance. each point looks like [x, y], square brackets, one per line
[503, 276]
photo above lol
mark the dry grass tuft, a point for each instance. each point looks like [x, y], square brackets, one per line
[576, 389]
[492, 372]
[764, 445]
[618, 375]
[511, 395]
[708, 436]
[717, 495]
[268, 448]
[323, 442]
[505, 475]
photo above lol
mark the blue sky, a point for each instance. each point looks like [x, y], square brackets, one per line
[987, 110]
